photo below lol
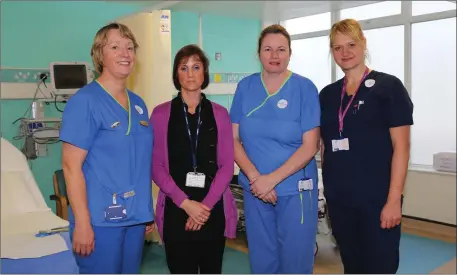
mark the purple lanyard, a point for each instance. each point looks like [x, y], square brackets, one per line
[342, 114]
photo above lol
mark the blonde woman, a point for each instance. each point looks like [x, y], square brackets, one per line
[365, 128]
[107, 152]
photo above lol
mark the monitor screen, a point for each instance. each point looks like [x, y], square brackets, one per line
[70, 76]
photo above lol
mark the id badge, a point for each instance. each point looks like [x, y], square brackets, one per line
[195, 180]
[115, 212]
[305, 184]
[340, 144]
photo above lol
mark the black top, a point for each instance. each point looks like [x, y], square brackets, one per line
[362, 174]
[180, 163]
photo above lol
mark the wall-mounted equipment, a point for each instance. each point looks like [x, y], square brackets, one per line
[37, 133]
[69, 77]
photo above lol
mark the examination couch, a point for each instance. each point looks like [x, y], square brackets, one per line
[23, 213]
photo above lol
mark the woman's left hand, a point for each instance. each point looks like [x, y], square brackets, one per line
[150, 227]
[391, 214]
[262, 185]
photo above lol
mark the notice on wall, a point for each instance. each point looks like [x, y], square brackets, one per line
[164, 22]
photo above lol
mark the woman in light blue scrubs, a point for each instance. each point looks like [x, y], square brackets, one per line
[276, 116]
[106, 158]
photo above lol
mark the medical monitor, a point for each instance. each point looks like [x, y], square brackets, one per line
[69, 77]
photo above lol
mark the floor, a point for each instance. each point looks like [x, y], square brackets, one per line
[425, 248]
[415, 232]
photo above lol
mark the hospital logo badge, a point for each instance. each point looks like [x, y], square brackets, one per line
[369, 83]
[282, 104]
[138, 109]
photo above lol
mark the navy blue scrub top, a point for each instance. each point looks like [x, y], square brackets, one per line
[362, 174]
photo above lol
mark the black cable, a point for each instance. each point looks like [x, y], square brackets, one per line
[55, 102]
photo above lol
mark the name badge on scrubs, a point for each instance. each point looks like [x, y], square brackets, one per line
[305, 184]
[115, 211]
[195, 179]
[340, 144]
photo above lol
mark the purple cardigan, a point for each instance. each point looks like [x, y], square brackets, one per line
[220, 185]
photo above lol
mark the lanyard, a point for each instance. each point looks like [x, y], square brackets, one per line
[194, 150]
[342, 114]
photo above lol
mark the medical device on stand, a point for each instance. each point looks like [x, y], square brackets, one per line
[38, 130]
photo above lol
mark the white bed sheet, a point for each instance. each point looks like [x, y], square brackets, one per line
[24, 211]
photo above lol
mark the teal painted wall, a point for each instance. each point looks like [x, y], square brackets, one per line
[184, 30]
[236, 40]
[35, 33]
[42, 167]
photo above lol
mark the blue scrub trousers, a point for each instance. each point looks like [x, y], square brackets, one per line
[281, 237]
[365, 247]
[118, 250]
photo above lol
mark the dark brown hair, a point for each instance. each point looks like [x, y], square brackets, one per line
[273, 29]
[182, 55]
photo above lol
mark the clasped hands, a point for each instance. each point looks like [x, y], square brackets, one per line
[262, 186]
[198, 214]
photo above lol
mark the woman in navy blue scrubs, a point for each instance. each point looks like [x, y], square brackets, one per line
[365, 128]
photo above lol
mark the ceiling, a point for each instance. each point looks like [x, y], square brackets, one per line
[263, 10]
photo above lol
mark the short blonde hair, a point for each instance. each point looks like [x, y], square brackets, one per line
[348, 27]
[101, 40]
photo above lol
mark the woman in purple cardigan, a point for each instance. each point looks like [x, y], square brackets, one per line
[193, 163]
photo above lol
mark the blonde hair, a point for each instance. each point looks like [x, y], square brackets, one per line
[101, 40]
[348, 27]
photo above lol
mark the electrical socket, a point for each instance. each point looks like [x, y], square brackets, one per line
[43, 76]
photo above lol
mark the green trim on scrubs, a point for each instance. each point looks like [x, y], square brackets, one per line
[128, 102]
[269, 95]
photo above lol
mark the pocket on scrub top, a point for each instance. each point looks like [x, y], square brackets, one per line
[112, 133]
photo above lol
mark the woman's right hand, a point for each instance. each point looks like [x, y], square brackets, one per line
[83, 239]
[196, 210]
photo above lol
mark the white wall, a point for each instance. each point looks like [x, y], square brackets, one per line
[431, 196]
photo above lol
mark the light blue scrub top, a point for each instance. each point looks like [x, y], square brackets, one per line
[119, 153]
[271, 127]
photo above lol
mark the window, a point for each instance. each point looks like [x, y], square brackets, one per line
[311, 58]
[385, 51]
[433, 89]
[312, 23]
[427, 7]
[385, 8]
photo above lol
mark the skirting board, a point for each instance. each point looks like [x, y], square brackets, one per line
[10, 90]
[429, 229]
[429, 221]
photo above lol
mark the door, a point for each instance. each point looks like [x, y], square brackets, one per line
[152, 75]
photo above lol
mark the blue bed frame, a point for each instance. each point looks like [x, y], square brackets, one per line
[60, 263]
